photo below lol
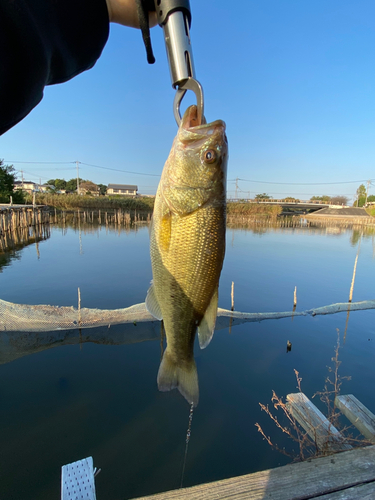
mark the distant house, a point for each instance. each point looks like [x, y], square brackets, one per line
[47, 187]
[123, 189]
[27, 186]
[89, 187]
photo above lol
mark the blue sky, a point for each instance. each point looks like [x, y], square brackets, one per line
[293, 80]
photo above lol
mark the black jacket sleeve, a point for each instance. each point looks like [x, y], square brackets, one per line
[43, 42]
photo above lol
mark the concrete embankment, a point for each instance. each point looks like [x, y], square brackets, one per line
[344, 215]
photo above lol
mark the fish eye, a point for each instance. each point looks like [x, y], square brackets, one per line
[209, 156]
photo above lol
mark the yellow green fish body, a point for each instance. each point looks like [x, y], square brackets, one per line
[187, 245]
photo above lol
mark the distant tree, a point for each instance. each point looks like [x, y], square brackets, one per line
[60, 184]
[263, 196]
[361, 191]
[51, 182]
[339, 200]
[361, 196]
[290, 198]
[324, 198]
[371, 198]
[7, 179]
[72, 184]
[103, 189]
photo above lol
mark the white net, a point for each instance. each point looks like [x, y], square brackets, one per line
[44, 318]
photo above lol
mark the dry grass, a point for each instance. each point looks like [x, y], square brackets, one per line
[253, 209]
[306, 446]
[73, 201]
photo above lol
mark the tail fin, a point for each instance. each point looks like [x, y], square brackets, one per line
[185, 379]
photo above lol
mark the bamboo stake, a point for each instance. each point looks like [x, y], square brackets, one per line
[352, 285]
[354, 271]
[232, 307]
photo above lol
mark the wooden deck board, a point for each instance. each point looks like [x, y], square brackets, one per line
[301, 481]
[361, 492]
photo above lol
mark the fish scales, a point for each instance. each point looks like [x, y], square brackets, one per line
[187, 246]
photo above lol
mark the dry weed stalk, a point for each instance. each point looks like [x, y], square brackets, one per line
[332, 386]
[308, 447]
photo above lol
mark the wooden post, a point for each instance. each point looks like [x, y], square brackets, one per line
[79, 307]
[321, 431]
[358, 414]
[354, 271]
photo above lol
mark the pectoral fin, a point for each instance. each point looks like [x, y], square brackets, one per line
[206, 327]
[152, 304]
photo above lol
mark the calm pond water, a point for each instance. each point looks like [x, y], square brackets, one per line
[63, 400]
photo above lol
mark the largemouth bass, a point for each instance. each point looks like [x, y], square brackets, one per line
[187, 246]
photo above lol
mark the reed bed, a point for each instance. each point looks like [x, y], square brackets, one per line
[73, 201]
[252, 209]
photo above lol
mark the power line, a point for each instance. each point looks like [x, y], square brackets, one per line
[41, 162]
[33, 175]
[300, 183]
[82, 163]
[158, 175]
[118, 170]
[288, 192]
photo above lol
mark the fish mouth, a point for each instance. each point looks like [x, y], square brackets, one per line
[191, 130]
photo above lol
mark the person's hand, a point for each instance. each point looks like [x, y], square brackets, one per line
[125, 12]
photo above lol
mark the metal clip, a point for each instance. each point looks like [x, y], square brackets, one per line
[196, 87]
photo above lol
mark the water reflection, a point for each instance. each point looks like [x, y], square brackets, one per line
[6, 258]
[300, 225]
[15, 246]
[103, 400]
[92, 220]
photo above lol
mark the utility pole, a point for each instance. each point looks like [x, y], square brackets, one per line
[22, 177]
[236, 187]
[77, 162]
